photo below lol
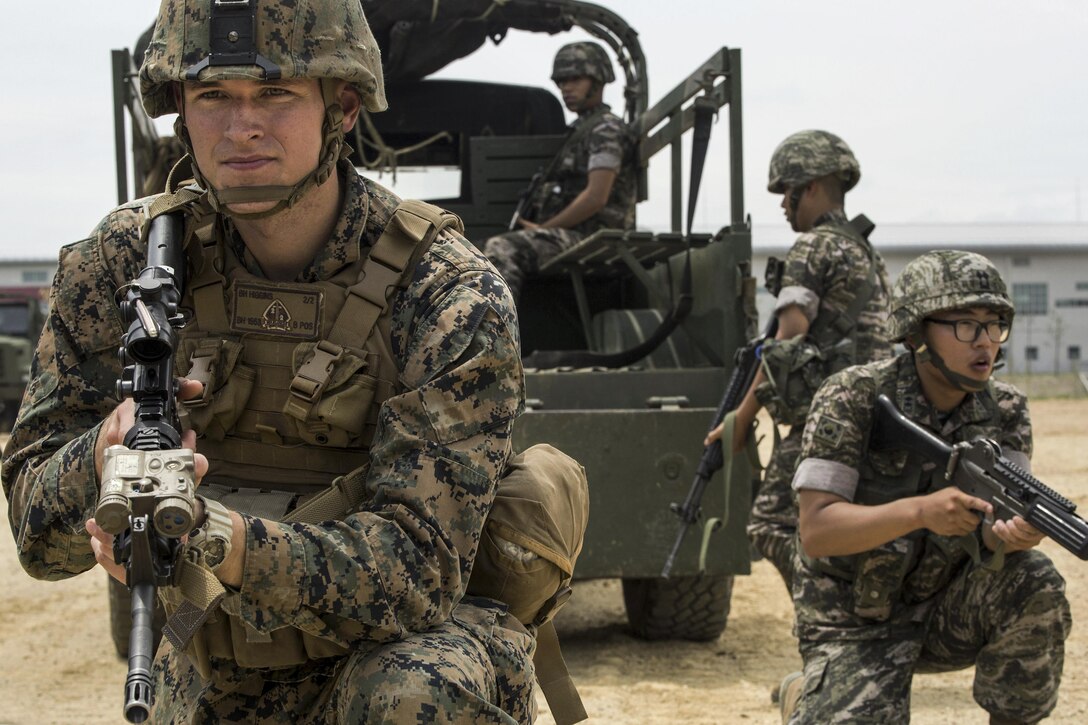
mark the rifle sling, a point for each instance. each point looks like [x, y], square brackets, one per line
[739, 469]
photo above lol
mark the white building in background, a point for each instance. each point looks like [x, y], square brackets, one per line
[1045, 266]
[27, 278]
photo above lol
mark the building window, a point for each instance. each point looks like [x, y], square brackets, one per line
[1082, 286]
[30, 276]
[1031, 353]
[1074, 352]
[1021, 261]
[1030, 298]
[1071, 302]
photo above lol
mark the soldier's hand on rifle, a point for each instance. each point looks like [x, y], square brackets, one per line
[740, 434]
[113, 431]
[526, 224]
[951, 512]
[1017, 534]
[714, 435]
[123, 417]
[102, 544]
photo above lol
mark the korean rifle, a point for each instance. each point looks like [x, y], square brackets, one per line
[978, 468]
[745, 366]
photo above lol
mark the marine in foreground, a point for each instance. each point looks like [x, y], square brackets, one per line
[303, 375]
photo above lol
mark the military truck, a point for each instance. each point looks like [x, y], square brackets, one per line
[634, 417]
[21, 320]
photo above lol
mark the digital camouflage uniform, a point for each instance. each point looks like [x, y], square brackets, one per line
[388, 581]
[823, 274]
[942, 611]
[374, 602]
[597, 139]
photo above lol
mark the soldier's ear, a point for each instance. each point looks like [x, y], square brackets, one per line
[352, 104]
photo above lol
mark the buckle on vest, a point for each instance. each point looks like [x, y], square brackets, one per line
[202, 366]
[552, 604]
[313, 375]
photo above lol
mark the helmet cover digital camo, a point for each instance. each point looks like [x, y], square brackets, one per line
[583, 59]
[808, 155]
[322, 39]
[944, 280]
[213, 40]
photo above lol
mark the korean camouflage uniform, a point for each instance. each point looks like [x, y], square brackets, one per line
[823, 272]
[387, 582]
[607, 145]
[944, 611]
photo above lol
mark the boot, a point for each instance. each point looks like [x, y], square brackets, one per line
[789, 694]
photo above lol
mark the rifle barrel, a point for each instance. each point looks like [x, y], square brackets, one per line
[140, 648]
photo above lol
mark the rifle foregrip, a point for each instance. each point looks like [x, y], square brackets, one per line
[1027, 485]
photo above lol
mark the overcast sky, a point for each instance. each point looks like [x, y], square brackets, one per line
[958, 110]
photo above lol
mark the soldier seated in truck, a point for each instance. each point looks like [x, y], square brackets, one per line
[589, 185]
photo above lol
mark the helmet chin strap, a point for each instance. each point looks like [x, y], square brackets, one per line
[333, 149]
[923, 354]
[794, 202]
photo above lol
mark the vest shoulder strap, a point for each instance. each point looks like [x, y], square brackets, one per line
[408, 234]
[842, 324]
[411, 230]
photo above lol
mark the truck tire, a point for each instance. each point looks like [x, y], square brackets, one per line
[121, 618]
[683, 607]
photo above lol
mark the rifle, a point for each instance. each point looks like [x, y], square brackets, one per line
[525, 200]
[148, 483]
[978, 468]
[745, 366]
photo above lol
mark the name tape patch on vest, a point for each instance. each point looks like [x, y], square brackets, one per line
[277, 310]
[828, 430]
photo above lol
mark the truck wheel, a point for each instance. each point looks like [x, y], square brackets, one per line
[121, 618]
[686, 607]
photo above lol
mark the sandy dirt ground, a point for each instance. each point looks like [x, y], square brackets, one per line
[57, 664]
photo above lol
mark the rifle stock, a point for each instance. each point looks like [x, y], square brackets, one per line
[978, 468]
[746, 364]
[522, 209]
[148, 483]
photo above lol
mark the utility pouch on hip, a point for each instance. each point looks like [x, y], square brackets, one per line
[879, 578]
[794, 369]
[531, 541]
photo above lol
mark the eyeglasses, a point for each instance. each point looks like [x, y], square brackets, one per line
[969, 330]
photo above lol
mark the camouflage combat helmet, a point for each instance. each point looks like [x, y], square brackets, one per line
[944, 280]
[808, 155]
[583, 59]
[207, 40]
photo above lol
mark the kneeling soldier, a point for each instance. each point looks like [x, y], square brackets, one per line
[898, 575]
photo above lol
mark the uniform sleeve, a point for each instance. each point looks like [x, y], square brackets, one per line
[606, 145]
[804, 276]
[403, 562]
[48, 469]
[833, 441]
